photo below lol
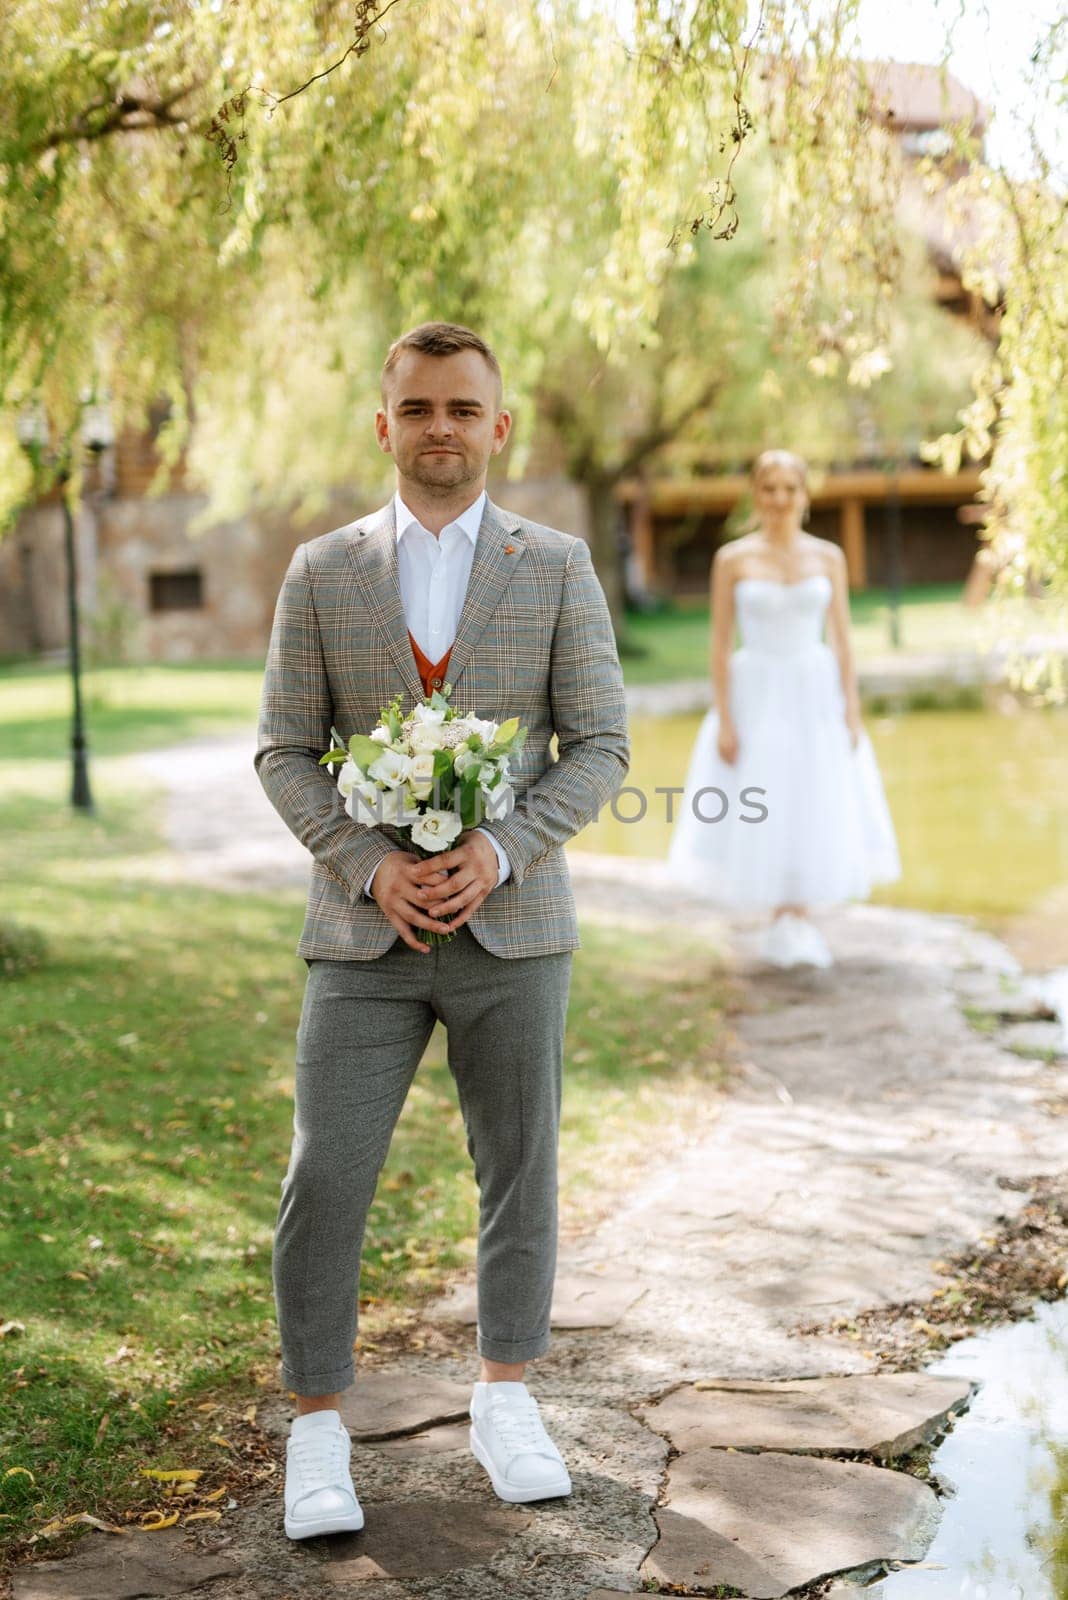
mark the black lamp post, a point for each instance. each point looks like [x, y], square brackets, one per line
[893, 555]
[95, 436]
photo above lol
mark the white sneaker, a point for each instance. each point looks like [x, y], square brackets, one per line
[319, 1495]
[793, 941]
[781, 941]
[814, 947]
[508, 1438]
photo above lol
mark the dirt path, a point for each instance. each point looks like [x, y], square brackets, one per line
[862, 1142]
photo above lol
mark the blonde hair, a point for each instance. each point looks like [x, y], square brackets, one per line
[780, 458]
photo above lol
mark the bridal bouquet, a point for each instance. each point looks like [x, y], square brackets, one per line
[435, 772]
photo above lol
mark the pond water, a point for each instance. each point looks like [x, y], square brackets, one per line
[1004, 1529]
[979, 800]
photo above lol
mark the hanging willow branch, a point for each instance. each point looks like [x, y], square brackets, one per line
[368, 15]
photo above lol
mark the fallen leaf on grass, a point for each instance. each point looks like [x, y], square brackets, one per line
[121, 1354]
[162, 1521]
[175, 1475]
[11, 1327]
[24, 1470]
[59, 1523]
[203, 1516]
[102, 1428]
[216, 1494]
[217, 1438]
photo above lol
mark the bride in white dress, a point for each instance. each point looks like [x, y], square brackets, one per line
[784, 808]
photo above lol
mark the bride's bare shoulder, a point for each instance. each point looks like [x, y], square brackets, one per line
[824, 551]
[728, 556]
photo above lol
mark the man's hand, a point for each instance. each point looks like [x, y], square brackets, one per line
[459, 879]
[401, 885]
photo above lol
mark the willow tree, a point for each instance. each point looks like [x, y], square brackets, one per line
[1014, 258]
[235, 207]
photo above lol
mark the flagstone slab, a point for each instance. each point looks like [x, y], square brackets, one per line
[848, 1286]
[884, 1415]
[421, 1539]
[769, 1522]
[1008, 1000]
[580, 1300]
[397, 1400]
[450, 1439]
[1039, 1039]
[128, 1566]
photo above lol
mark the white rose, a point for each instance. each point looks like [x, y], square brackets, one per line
[425, 736]
[364, 803]
[427, 714]
[398, 807]
[421, 777]
[435, 830]
[349, 776]
[500, 802]
[380, 735]
[487, 731]
[465, 759]
[390, 768]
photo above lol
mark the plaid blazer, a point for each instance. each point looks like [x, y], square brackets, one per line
[534, 641]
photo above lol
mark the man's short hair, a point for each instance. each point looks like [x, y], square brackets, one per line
[441, 339]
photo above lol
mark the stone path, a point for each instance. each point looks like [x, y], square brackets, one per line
[709, 1442]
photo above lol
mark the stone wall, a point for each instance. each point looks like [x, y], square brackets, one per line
[128, 546]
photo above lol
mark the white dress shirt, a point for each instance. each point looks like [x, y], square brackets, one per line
[433, 573]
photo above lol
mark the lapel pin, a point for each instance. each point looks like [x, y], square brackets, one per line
[509, 549]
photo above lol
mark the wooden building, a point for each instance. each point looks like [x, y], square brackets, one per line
[918, 520]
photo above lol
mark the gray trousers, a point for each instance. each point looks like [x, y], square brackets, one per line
[364, 1026]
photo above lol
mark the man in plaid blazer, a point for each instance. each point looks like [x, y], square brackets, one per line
[440, 585]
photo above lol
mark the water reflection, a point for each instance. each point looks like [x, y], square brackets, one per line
[1004, 1532]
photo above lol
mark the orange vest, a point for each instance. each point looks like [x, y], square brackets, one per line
[431, 673]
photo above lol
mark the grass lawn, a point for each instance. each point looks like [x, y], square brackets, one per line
[146, 1112]
[138, 707]
[127, 708]
[674, 643]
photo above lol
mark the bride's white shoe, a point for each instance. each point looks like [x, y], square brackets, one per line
[815, 949]
[780, 941]
[793, 941]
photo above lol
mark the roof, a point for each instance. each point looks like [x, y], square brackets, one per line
[917, 96]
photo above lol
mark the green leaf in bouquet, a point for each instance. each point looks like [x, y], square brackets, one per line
[444, 779]
[332, 756]
[364, 750]
[471, 807]
[510, 746]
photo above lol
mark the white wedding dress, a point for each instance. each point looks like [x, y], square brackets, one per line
[827, 835]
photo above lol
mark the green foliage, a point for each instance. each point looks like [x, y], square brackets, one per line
[1014, 233]
[679, 229]
[138, 1233]
[21, 948]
